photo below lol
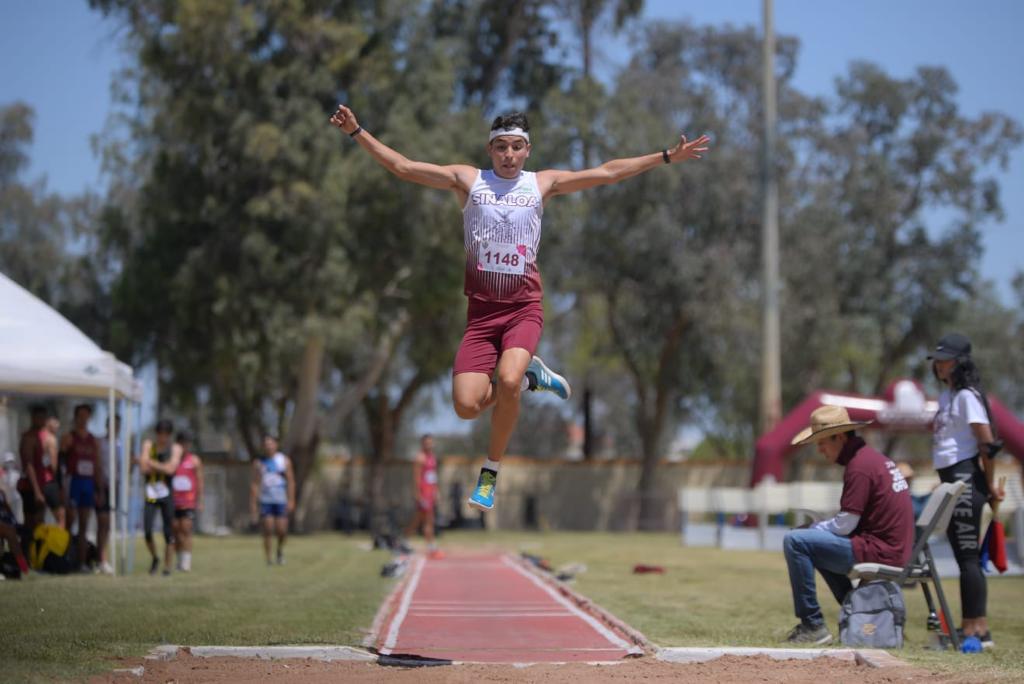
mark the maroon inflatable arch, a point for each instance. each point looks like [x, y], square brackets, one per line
[904, 407]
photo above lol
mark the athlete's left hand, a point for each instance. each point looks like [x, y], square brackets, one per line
[291, 507]
[689, 149]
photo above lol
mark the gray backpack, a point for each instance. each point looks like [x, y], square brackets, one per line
[873, 615]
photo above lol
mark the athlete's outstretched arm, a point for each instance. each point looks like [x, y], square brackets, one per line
[553, 182]
[457, 177]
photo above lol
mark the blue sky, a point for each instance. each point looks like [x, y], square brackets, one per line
[59, 57]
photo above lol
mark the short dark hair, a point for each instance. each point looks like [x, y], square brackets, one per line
[183, 436]
[38, 410]
[82, 407]
[513, 120]
[164, 427]
[270, 435]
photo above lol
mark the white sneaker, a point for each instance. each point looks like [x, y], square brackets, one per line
[106, 568]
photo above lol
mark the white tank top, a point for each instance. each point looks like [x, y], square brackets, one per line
[501, 231]
[274, 483]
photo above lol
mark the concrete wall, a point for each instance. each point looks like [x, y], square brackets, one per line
[563, 495]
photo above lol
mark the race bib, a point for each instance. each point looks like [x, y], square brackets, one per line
[84, 468]
[157, 490]
[430, 477]
[273, 480]
[46, 460]
[501, 257]
[181, 483]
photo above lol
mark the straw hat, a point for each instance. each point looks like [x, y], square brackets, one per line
[825, 422]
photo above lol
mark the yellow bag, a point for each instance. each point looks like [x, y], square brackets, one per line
[46, 540]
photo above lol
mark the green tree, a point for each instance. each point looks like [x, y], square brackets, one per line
[895, 211]
[235, 277]
[667, 251]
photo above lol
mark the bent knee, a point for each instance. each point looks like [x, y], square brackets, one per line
[790, 541]
[510, 385]
[465, 409]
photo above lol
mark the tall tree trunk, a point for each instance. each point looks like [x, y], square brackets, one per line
[382, 441]
[652, 415]
[385, 421]
[648, 511]
[303, 437]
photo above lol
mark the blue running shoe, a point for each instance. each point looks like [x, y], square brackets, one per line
[483, 495]
[544, 379]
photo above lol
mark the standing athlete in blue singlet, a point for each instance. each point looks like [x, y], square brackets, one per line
[502, 210]
[273, 488]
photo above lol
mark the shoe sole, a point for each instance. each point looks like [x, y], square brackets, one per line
[818, 642]
[479, 506]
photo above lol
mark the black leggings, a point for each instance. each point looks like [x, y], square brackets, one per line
[964, 534]
[166, 508]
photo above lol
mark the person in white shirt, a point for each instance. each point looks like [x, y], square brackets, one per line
[963, 448]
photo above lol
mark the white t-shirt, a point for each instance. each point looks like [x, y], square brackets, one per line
[952, 438]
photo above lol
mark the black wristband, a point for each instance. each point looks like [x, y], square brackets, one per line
[664, 155]
[359, 129]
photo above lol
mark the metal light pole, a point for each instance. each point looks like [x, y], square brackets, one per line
[771, 370]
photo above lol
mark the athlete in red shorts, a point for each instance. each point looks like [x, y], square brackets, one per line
[502, 210]
[424, 483]
[187, 485]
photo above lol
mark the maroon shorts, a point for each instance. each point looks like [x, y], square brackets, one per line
[493, 327]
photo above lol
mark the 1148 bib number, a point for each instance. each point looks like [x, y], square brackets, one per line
[501, 257]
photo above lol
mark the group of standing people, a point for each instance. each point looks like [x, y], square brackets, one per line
[66, 475]
[173, 490]
[875, 523]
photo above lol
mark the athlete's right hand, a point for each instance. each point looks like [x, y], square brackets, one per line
[344, 119]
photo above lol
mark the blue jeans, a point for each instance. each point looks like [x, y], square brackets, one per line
[832, 555]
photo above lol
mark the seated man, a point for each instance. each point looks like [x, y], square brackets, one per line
[875, 523]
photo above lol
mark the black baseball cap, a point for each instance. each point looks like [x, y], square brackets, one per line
[951, 346]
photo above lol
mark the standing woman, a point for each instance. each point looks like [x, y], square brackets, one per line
[188, 499]
[963, 448]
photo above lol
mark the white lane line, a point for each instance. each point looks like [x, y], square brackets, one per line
[561, 600]
[482, 602]
[489, 609]
[403, 607]
[503, 616]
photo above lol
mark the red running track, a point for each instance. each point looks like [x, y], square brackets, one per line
[491, 609]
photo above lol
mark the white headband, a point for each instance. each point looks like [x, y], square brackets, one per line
[509, 131]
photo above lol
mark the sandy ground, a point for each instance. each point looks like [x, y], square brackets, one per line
[186, 669]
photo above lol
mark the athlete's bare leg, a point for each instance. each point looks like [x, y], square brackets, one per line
[414, 525]
[102, 534]
[268, 530]
[282, 534]
[511, 369]
[83, 543]
[428, 527]
[472, 394]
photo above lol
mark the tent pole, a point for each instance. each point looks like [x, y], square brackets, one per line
[126, 454]
[112, 480]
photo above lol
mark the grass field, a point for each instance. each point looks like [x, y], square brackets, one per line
[71, 627]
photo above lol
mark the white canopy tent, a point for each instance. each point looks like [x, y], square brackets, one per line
[42, 353]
